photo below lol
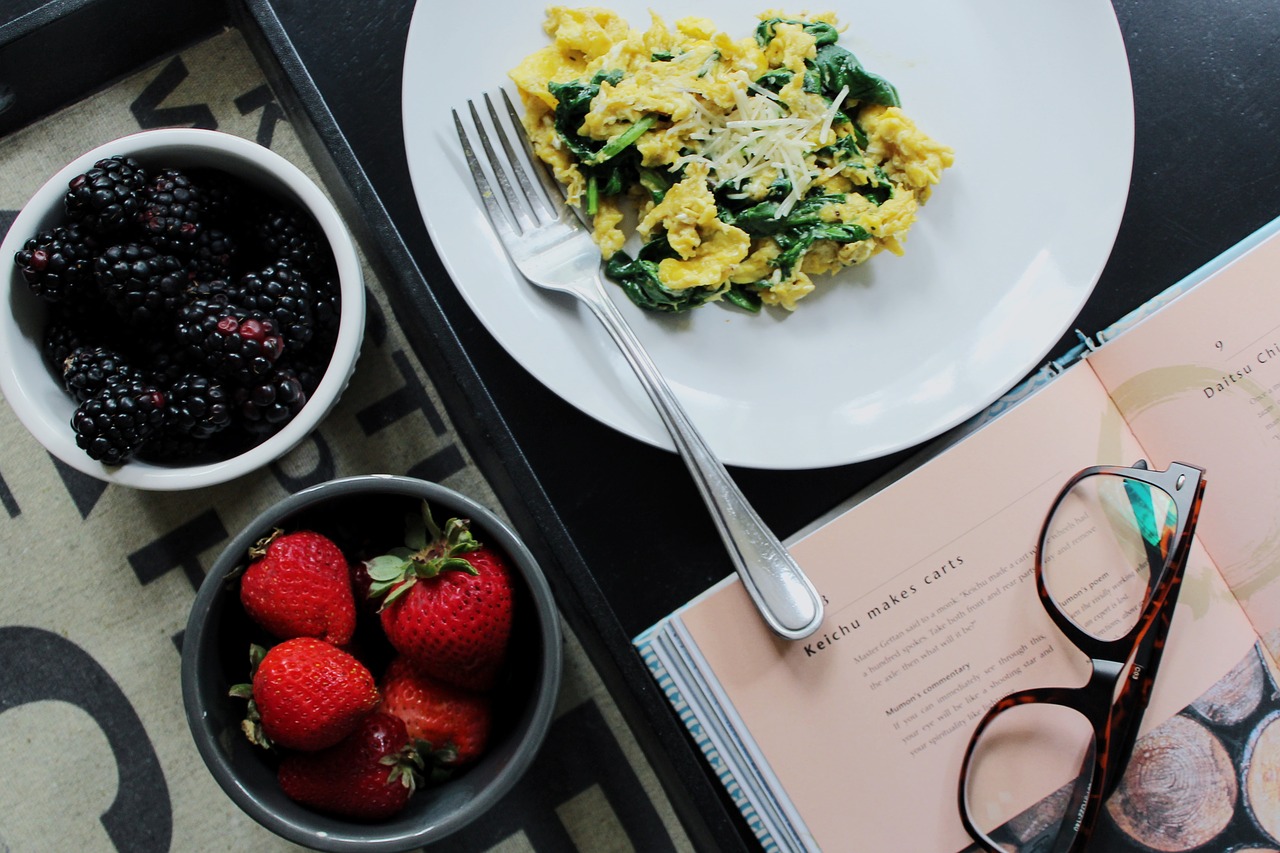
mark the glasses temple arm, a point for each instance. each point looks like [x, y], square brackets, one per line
[1135, 694]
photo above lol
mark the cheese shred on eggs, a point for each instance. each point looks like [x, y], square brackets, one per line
[751, 164]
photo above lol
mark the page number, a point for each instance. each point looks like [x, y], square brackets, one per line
[1217, 344]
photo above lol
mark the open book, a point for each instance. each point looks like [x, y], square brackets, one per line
[853, 738]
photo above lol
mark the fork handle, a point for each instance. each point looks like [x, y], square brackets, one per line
[785, 597]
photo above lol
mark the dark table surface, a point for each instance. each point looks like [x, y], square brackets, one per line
[625, 539]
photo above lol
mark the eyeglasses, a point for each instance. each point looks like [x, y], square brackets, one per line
[1108, 569]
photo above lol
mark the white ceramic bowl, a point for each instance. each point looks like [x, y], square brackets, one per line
[39, 400]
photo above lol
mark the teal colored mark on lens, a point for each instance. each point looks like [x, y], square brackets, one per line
[1144, 512]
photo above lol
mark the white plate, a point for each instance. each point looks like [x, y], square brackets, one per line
[1035, 98]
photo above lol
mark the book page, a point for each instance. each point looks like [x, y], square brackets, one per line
[932, 616]
[1199, 381]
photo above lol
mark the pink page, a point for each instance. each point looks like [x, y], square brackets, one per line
[1201, 379]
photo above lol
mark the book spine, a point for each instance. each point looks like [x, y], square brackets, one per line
[657, 664]
[717, 735]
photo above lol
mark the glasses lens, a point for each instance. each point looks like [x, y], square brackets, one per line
[1101, 544]
[1029, 776]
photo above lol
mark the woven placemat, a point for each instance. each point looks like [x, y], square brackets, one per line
[94, 748]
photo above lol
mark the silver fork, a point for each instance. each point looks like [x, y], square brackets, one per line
[552, 249]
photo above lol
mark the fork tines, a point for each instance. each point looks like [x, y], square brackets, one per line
[526, 208]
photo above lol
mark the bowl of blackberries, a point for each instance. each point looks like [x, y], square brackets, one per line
[185, 306]
[371, 664]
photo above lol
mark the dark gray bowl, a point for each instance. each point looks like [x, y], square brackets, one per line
[365, 516]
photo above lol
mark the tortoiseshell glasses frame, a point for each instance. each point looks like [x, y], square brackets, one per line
[1123, 668]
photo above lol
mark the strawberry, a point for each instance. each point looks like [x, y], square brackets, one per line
[370, 775]
[447, 722]
[447, 605]
[306, 694]
[299, 585]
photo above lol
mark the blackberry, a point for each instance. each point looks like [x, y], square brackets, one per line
[280, 292]
[62, 336]
[58, 264]
[271, 402]
[199, 406]
[285, 233]
[214, 255]
[113, 424]
[142, 284]
[173, 212]
[160, 362]
[220, 290]
[229, 339]
[90, 369]
[170, 445]
[326, 307]
[108, 196]
[69, 328]
[308, 365]
[60, 340]
[223, 194]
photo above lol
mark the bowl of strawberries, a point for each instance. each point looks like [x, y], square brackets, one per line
[184, 307]
[371, 664]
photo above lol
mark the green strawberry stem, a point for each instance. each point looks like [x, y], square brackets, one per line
[428, 551]
[258, 549]
[436, 764]
[407, 766]
[252, 723]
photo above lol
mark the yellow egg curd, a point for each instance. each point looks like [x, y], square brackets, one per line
[751, 164]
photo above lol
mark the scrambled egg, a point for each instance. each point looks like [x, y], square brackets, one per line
[751, 164]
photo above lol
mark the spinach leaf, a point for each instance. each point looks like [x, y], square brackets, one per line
[774, 80]
[639, 279]
[731, 197]
[850, 149]
[843, 149]
[609, 168]
[610, 179]
[822, 33]
[798, 230]
[880, 189]
[796, 242]
[833, 68]
[622, 141]
[762, 219]
[745, 296]
[708, 64]
[656, 182]
[573, 102]
[779, 189]
[861, 136]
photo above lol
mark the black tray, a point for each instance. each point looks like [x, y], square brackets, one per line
[618, 523]
[108, 38]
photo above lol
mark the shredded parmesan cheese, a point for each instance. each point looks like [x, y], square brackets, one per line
[759, 134]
